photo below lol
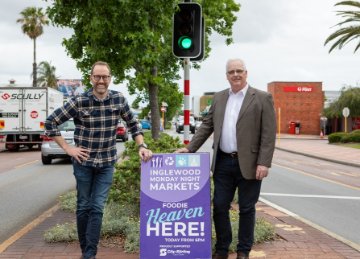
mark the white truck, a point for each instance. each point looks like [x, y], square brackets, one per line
[23, 111]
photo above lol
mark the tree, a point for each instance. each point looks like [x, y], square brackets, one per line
[346, 34]
[32, 21]
[46, 76]
[134, 37]
[350, 97]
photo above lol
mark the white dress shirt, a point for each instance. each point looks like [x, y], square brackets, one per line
[228, 142]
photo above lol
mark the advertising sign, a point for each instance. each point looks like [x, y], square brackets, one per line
[306, 89]
[175, 217]
[70, 87]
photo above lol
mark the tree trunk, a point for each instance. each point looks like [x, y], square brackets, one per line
[154, 107]
[34, 65]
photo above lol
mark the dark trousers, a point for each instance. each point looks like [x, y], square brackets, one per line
[92, 185]
[227, 177]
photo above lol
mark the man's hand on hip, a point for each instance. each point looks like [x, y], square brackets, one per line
[79, 153]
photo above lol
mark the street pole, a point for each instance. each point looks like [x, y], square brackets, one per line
[279, 122]
[346, 113]
[163, 119]
[186, 100]
[345, 124]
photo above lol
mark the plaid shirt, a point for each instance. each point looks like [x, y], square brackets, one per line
[96, 122]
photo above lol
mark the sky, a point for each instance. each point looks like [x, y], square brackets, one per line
[279, 40]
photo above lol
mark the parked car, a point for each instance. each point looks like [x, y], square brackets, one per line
[122, 132]
[145, 124]
[139, 124]
[51, 150]
[197, 124]
[179, 124]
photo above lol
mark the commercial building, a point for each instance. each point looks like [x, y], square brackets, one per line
[298, 106]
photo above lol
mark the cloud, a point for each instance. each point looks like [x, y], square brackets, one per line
[280, 40]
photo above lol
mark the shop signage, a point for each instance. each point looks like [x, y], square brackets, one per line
[305, 89]
[175, 218]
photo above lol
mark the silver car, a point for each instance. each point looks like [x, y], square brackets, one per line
[51, 150]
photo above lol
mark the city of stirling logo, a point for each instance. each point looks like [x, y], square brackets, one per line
[163, 252]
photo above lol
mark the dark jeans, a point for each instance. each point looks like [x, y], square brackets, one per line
[92, 185]
[227, 177]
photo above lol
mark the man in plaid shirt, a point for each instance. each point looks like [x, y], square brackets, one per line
[96, 114]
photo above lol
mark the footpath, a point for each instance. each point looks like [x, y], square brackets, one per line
[295, 239]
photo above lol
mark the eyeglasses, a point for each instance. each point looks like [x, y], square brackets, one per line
[97, 78]
[237, 71]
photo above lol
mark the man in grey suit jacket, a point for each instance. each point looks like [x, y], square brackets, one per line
[243, 122]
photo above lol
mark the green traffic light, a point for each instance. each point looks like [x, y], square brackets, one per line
[185, 42]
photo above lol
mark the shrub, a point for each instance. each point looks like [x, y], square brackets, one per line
[168, 125]
[117, 220]
[126, 182]
[61, 233]
[343, 137]
[351, 137]
[336, 137]
[357, 132]
[68, 201]
[264, 231]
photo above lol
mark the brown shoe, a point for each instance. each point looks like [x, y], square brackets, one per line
[216, 256]
[241, 255]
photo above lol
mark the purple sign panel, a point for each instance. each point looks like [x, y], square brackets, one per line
[175, 218]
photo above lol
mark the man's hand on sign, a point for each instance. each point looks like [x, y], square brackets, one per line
[182, 150]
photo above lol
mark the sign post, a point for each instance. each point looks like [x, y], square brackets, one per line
[175, 217]
[346, 113]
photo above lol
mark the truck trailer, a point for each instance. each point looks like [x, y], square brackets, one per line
[23, 111]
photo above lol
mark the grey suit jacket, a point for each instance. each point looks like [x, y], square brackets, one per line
[255, 130]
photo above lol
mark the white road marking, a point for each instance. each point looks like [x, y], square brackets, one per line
[310, 196]
[317, 177]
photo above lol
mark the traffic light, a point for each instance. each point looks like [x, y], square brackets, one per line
[187, 31]
[201, 56]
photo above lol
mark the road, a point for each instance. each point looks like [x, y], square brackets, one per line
[324, 193]
[28, 188]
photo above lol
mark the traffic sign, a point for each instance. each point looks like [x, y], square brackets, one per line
[346, 112]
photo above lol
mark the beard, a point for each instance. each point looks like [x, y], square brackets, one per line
[100, 88]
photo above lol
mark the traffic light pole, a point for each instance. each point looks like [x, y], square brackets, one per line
[186, 97]
[187, 43]
[186, 100]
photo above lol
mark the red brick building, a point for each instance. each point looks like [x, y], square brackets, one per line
[298, 106]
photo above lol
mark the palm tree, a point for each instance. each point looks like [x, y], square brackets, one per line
[347, 34]
[32, 21]
[46, 76]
